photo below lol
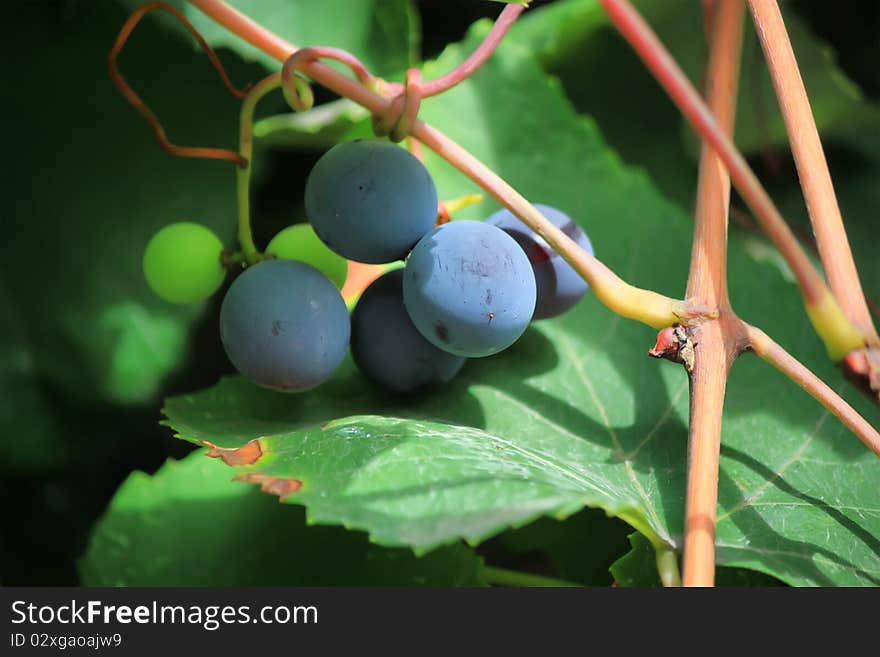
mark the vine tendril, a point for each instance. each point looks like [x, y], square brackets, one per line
[135, 100]
[297, 90]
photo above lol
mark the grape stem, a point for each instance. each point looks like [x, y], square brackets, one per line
[243, 174]
[667, 566]
[649, 307]
[717, 343]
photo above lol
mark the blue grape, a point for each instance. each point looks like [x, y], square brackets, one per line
[284, 325]
[388, 348]
[370, 200]
[469, 288]
[560, 287]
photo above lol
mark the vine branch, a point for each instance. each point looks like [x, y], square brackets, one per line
[717, 342]
[774, 354]
[809, 157]
[837, 332]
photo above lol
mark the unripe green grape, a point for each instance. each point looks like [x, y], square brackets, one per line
[300, 243]
[182, 263]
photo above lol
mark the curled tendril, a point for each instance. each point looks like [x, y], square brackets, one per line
[403, 110]
[141, 106]
[297, 90]
[406, 98]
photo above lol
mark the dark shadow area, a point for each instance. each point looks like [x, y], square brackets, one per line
[851, 29]
[556, 548]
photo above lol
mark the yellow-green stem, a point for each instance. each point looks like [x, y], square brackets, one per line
[505, 577]
[837, 332]
[667, 566]
[243, 175]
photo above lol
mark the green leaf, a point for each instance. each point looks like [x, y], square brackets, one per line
[555, 31]
[187, 525]
[383, 35]
[320, 127]
[424, 484]
[576, 396]
[638, 566]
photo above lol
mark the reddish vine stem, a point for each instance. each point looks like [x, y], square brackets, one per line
[809, 157]
[137, 102]
[838, 333]
[477, 58]
[717, 341]
[774, 354]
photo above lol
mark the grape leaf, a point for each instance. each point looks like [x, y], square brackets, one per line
[637, 567]
[187, 526]
[577, 394]
[383, 35]
[388, 477]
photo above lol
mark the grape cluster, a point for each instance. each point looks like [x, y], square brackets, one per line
[468, 289]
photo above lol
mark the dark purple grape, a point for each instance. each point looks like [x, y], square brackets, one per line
[284, 325]
[370, 200]
[560, 287]
[388, 348]
[469, 288]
